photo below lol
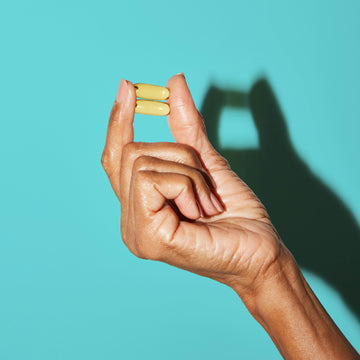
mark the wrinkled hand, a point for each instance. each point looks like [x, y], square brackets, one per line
[182, 204]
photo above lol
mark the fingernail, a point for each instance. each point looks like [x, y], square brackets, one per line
[216, 203]
[122, 91]
[181, 73]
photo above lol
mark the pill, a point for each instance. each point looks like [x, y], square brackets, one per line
[148, 107]
[151, 92]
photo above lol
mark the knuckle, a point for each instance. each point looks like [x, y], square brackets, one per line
[220, 163]
[106, 162]
[141, 250]
[130, 241]
[129, 149]
[132, 149]
[137, 252]
[166, 244]
[142, 178]
[198, 177]
[200, 181]
[188, 184]
[190, 156]
[143, 162]
[146, 249]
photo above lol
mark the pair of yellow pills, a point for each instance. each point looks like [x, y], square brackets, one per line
[151, 99]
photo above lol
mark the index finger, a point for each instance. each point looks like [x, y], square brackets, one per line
[119, 133]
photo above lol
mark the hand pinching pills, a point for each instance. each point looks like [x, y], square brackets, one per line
[150, 99]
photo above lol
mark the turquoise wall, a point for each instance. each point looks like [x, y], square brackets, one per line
[69, 289]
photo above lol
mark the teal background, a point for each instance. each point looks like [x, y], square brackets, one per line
[69, 289]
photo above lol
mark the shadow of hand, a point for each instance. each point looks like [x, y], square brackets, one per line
[313, 222]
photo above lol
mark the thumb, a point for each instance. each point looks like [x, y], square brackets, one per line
[185, 122]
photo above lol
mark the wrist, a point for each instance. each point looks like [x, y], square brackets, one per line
[265, 291]
[285, 306]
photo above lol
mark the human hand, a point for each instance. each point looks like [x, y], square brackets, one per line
[170, 211]
[170, 192]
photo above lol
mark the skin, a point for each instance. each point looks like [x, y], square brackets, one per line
[183, 205]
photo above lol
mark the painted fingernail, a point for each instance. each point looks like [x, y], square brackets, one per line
[122, 91]
[216, 203]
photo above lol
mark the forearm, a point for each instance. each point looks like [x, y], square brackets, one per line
[298, 324]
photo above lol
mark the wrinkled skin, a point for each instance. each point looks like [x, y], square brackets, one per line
[182, 204]
[167, 210]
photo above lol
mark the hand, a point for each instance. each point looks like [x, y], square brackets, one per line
[182, 204]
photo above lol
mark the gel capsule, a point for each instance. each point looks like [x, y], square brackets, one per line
[151, 92]
[148, 107]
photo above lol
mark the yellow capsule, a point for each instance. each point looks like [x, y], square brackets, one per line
[151, 92]
[148, 107]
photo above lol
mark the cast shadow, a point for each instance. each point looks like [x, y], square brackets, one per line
[312, 220]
